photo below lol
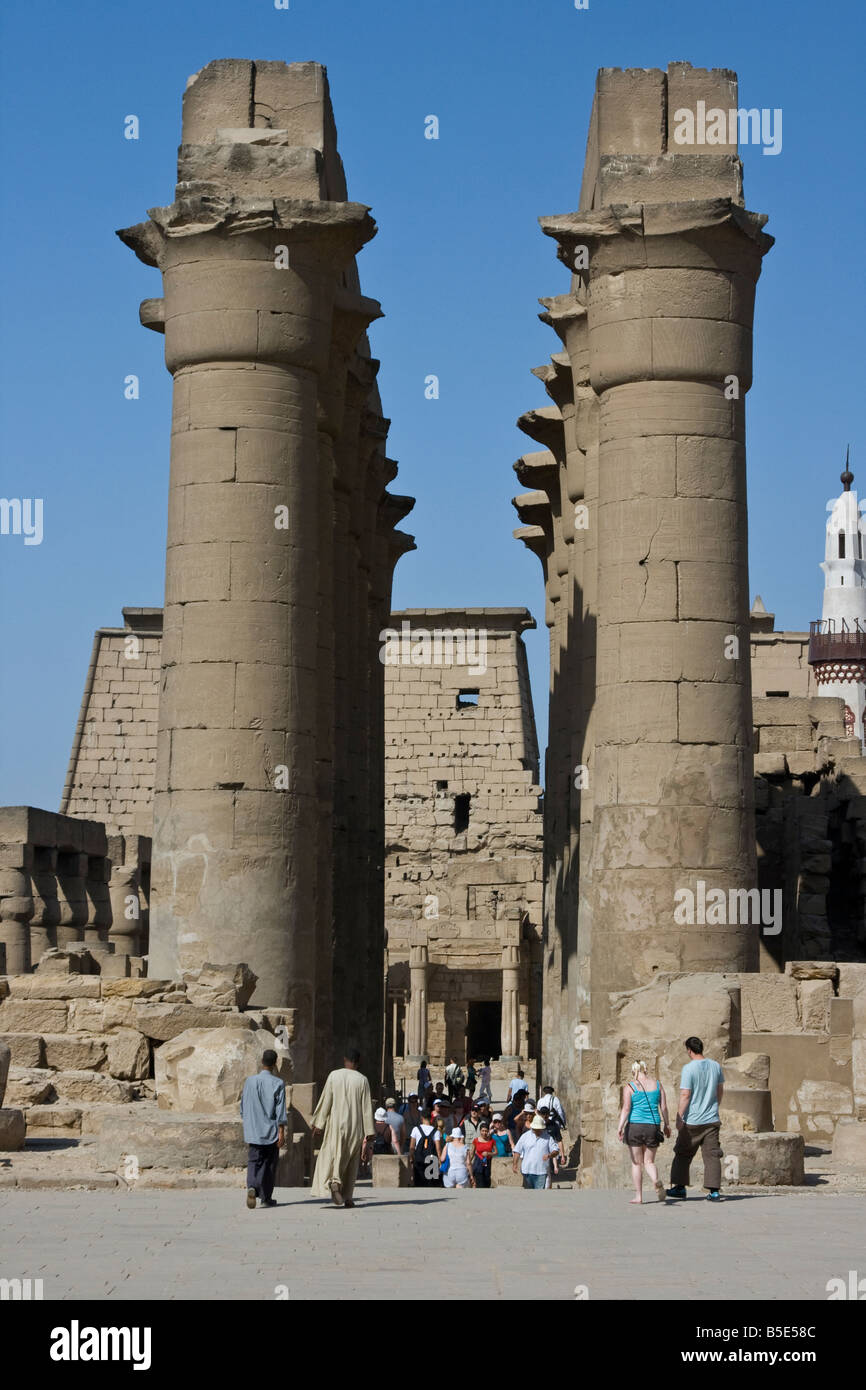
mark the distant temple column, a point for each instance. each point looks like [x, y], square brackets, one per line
[16, 906]
[510, 1003]
[416, 1028]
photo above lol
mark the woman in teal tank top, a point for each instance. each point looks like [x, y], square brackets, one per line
[643, 1116]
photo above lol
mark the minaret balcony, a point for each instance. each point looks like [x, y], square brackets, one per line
[835, 639]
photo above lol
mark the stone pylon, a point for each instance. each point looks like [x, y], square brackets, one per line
[274, 501]
[638, 512]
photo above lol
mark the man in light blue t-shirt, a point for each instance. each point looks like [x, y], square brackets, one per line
[701, 1090]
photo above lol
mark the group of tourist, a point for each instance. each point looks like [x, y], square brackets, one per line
[452, 1139]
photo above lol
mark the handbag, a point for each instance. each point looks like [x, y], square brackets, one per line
[660, 1134]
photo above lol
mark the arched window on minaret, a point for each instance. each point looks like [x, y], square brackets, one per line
[841, 545]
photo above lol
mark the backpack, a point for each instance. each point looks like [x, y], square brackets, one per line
[382, 1143]
[425, 1147]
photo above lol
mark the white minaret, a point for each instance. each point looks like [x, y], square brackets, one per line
[837, 647]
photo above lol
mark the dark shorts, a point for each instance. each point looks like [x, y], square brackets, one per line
[648, 1135]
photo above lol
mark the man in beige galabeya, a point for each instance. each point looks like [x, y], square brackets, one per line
[345, 1114]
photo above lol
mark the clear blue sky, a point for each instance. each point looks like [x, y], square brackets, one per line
[458, 265]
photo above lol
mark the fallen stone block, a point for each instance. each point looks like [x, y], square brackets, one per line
[69, 962]
[390, 1170]
[30, 1086]
[292, 1165]
[159, 1139]
[812, 969]
[128, 1055]
[54, 986]
[764, 1160]
[203, 1070]
[12, 1130]
[164, 1179]
[86, 1016]
[53, 1122]
[769, 1004]
[815, 999]
[33, 1016]
[747, 1109]
[849, 1144]
[92, 1086]
[748, 1072]
[75, 1051]
[220, 986]
[137, 989]
[502, 1174]
[27, 1049]
[162, 1022]
[115, 967]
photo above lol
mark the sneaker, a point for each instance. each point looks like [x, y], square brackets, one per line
[268, 1202]
[714, 1195]
[348, 1202]
[679, 1192]
[337, 1193]
[251, 1198]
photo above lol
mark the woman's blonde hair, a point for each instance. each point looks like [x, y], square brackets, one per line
[638, 1069]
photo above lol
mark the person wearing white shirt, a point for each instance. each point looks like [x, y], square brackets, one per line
[518, 1083]
[534, 1151]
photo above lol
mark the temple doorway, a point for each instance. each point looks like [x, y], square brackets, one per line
[484, 1028]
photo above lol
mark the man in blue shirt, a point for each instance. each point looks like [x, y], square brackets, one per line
[263, 1111]
[698, 1123]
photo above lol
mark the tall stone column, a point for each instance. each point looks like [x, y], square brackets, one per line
[72, 895]
[46, 910]
[510, 1004]
[16, 905]
[251, 253]
[669, 316]
[417, 1020]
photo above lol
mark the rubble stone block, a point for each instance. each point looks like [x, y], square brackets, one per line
[501, 1174]
[220, 986]
[849, 1144]
[158, 1139]
[27, 1049]
[128, 1055]
[203, 1070]
[53, 1121]
[764, 1160]
[92, 1086]
[815, 999]
[12, 1130]
[161, 1022]
[769, 1004]
[750, 1071]
[747, 1108]
[33, 1016]
[390, 1170]
[30, 1086]
[75, 1051]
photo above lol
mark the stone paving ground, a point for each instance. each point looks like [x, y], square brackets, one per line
[503, 1244]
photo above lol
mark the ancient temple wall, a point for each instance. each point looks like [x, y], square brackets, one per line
[463, 834]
